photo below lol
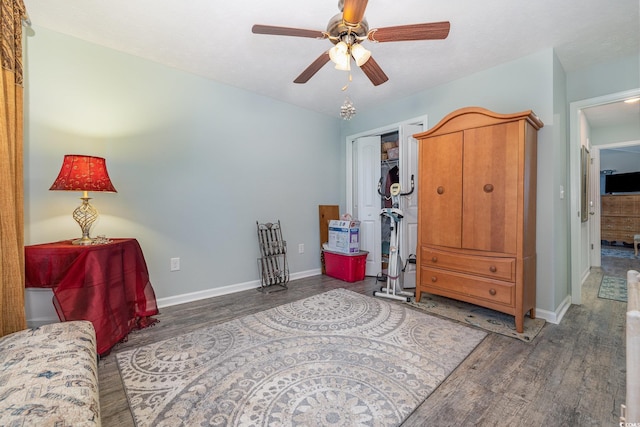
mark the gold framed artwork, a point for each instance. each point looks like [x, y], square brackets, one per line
[585, 161]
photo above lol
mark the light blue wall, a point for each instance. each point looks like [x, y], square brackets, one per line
[556, 257]
[619, 160]
[604, 78]
[613, 134]
[518, 85]
[195, 163]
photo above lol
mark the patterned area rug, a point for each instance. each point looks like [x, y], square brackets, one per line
[334, 359]
[614, 288]
[489, 320]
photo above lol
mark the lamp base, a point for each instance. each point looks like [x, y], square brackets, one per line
[83, 241]
[85, 215]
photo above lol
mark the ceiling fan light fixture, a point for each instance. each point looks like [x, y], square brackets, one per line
[344, 64]
[339, 54]
[360, 54]
[338, 51]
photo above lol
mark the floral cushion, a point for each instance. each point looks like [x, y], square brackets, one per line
[49, 376]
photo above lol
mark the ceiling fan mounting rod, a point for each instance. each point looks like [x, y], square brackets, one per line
[348, 38]
[338, 28]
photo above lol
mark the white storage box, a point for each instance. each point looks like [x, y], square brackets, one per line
[344, 236]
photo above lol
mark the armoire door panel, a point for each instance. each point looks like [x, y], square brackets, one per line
[490, 188]
[441, 184]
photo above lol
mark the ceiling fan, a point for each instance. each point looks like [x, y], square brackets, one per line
[347, 30]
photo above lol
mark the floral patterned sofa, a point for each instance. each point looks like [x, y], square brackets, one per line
[49, 376]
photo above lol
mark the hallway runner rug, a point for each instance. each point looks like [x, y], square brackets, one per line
[480, 317]
[614, 288]
[334, 359]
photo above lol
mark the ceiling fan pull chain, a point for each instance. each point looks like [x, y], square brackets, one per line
[350, 78]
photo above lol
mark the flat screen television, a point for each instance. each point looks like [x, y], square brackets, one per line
[622, 183]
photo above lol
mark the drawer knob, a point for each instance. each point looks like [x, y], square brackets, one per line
[492, 291]
[493, 269]
[434, 259]
[434, 279]
[488, 188]
[440, 190]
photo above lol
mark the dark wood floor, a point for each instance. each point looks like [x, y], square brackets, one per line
[572, 374]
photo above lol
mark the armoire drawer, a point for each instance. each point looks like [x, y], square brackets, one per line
[477, 287]
[492, 267]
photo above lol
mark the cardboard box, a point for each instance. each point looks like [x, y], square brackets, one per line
[344, 236]
[347, 267]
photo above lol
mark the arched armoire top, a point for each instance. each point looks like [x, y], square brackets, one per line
[472, 117]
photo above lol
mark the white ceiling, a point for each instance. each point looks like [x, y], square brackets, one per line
[613, 114]
[213, 39]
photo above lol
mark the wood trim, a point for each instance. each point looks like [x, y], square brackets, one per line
[477, 117]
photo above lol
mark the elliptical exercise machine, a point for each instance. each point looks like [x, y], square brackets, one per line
[394, 289]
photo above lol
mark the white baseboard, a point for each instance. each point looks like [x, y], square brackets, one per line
[47, 314]
[555, 317]
[39, 300]
[225, 290]
[39, 306]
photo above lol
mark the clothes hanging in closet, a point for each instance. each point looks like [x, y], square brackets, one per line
[392, 177]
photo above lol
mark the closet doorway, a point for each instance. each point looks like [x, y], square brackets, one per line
[372, 160]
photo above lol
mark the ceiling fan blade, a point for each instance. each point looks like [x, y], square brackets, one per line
[287, 31]
[313, 68]
[374, 72]
[353, 10]
[429, 31]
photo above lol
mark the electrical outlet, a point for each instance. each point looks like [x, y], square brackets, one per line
[175, 264]
[301, 248]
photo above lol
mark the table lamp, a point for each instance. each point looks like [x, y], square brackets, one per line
[84, 173]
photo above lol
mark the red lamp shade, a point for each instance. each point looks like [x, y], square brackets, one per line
[83, 173]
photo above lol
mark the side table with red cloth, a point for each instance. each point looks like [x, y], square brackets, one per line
[107, 284]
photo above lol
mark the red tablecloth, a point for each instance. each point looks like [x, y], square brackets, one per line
[106, 284]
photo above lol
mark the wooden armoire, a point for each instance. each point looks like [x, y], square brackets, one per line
[477, 210]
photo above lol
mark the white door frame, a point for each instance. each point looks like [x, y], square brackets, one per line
[595, 231]
[594, 207]
[575, 138]
[350, 141]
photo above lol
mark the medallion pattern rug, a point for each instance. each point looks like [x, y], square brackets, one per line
[480, 317]
[614, 288]
[333, 359]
